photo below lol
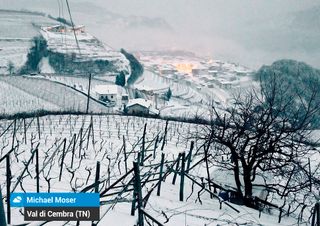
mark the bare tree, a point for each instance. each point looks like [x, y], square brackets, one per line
[265, 133]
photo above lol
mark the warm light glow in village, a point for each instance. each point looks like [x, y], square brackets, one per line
[184, 68]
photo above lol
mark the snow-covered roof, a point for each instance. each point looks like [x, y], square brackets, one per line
[140, 101]
[106, 89]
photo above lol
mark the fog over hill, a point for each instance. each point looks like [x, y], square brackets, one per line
[248, 32]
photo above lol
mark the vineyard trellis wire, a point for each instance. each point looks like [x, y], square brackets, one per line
[94, 154]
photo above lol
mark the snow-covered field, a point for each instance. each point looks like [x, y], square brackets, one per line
[87, 140]
[16, 33]
[17, 28]
[27, 94]
[85, 48]
[14, 100]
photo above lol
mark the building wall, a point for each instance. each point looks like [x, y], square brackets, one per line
[137, 109]
[105, 97]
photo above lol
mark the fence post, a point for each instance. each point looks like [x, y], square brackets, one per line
[161, 172]
[2, 214]
[96, 190]
[8, 188]
[182, 176]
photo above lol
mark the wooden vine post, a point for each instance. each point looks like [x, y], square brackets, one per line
[80, 141]
[38, 125]
[206, 150]
[2, 214]
[62, 158]
[25, 130]
[189, 157]
[164, 136]
[125, 154]
[73, 148]
[37, 170]
[160, 175]
[143, 144]
[155, 146]
[96, 190]
[138, 192]
[92, 129]
[181, 193]
[315, 221]
[14, 132]
[176, 170]
[8, 175]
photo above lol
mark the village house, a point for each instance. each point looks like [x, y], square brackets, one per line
[199, 71]
[107, 93]
[124, 99]
[141, 106]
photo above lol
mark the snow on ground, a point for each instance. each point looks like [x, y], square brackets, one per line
[14, 100]
[106, 146]
[47, 94]
[45, 67]
[196, 83]
[85, 48]
[16, 32]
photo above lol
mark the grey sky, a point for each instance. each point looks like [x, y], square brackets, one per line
[251, 32]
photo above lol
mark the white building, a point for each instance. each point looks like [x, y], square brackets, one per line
[107, 93]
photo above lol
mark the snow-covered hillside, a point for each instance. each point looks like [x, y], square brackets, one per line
[16, 33]
[195, 82]
[84, 48]
[18, 28]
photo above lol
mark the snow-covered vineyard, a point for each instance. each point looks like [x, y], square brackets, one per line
[152, 123]
[97, 153]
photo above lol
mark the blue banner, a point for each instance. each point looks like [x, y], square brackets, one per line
[55, 200]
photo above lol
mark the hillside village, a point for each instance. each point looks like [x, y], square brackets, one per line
[162, 137]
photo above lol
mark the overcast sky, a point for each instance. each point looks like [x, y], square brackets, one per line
[250, 32]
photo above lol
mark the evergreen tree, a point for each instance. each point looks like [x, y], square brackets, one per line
[168, 94]
[121, 79]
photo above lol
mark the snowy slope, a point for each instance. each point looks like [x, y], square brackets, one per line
[106, 146]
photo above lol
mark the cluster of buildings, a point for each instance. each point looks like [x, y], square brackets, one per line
[116, 96]
[203, 73]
